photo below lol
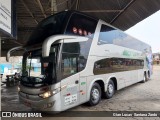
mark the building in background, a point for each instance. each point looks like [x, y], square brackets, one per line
[12, 67]
[156, 58]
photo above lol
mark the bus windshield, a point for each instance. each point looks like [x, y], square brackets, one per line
[52, 25]
[38, 71]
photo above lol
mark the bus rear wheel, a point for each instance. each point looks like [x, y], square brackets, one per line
[144, 78]
[95, 94]
[110, 90]
[149, 75]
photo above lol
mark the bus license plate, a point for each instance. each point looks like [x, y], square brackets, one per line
[70, 99]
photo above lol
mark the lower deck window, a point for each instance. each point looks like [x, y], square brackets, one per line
[111, 65]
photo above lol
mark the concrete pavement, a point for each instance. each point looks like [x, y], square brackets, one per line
[138, 97]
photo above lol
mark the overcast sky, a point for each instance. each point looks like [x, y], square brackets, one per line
[148, 31]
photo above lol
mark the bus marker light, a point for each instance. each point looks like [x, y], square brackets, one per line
[89, 33]
[80, 31]
[74, 29]
[85, 33]
[68, 94]
[82, 92]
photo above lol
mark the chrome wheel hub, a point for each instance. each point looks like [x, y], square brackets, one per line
[110, 88]
[95, 94]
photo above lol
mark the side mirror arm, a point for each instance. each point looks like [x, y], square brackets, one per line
[11, 50]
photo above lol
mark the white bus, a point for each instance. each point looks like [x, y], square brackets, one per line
[78, 59]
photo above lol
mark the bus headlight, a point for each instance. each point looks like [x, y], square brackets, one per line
[46, 94]
[49, 93]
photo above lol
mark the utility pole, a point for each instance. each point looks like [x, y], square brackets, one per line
[53, 7]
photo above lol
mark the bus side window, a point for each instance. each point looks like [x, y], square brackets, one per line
[107, 35]
[111, 65]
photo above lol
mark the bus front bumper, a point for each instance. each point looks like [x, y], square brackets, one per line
[48, 104]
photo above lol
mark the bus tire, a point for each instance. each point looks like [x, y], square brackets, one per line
[144, 78]
[149, 75]
[110, 90]
[95, 94]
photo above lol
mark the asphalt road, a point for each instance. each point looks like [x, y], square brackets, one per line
[138, 97]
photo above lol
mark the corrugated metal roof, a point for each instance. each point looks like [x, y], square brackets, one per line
[122, 14]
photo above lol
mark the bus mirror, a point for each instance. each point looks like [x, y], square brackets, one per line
[10, 51]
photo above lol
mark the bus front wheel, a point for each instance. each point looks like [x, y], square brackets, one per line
[95, 94]
[110, 90]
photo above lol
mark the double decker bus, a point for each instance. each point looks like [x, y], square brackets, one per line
[72, 58]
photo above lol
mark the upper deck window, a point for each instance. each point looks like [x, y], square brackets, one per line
[81, 25]
[48, 27]
[109, 35]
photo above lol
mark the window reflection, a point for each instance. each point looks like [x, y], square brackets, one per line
[111, 65]
[74, 57]
[109, 35]
[69, 64]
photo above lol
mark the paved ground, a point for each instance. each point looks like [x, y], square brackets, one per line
[138, 97]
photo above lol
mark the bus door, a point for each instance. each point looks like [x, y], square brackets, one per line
[70, 81]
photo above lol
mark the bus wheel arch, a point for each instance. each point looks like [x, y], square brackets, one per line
[115, 82]
[101, 83]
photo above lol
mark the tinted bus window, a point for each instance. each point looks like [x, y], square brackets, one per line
[50, 26]
[112, 65]
[109, 35]
[81, 25]
[74, 57]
